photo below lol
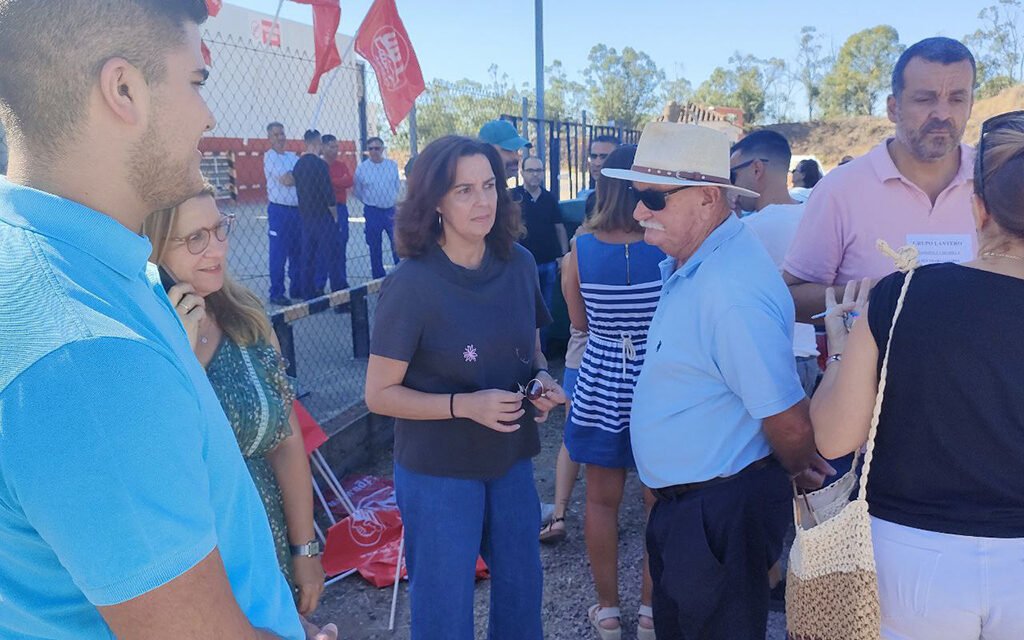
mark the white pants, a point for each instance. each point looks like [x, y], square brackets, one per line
[939, 586]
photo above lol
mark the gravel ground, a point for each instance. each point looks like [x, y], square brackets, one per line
[361, 611]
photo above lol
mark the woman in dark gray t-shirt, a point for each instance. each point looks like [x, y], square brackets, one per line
[455, 339]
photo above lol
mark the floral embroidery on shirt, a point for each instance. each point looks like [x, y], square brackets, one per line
[469, 353]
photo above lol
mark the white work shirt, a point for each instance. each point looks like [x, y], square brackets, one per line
[276, 165]
[775, 226]
[377, 183]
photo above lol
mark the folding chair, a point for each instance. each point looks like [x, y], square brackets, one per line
[313, 437]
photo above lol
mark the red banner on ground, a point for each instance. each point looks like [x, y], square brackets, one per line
[369, 539]
[384, 42]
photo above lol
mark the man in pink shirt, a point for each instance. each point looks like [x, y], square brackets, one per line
[914, 188]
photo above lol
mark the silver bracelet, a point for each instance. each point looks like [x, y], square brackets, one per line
[835, 357]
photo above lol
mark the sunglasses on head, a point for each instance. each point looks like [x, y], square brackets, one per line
[655, 200]
[988, 127]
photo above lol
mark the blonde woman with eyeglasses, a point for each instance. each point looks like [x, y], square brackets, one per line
[232, 338]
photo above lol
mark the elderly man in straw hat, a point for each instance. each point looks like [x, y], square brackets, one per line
[720, 422]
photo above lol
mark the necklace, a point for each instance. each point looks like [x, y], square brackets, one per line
[993, 254]
[203, 325]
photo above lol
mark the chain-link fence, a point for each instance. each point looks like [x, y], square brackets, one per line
[567, 147]
[253, 85]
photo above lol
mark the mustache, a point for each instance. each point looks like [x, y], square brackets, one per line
[651, 224]
[938, 125]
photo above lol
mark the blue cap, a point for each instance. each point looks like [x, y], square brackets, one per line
[503, 134]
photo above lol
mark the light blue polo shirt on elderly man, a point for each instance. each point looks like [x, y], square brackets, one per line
[719, 360]
[118, 469]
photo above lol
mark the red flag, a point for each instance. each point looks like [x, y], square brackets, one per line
[212, 8]
[326, 18]
[206, 53]
[384, 42]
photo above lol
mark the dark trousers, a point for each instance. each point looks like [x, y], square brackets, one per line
[379, 221]
[547, 275]
[710, 551]
[285, 233]
[341, 252]
[319, 242]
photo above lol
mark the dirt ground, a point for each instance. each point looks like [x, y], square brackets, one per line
[361, 611]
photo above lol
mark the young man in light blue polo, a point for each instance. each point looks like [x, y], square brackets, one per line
[719, 416]
[126, 509]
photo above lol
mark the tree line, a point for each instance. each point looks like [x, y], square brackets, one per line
[627, 87]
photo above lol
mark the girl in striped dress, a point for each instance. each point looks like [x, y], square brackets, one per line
[612, 282]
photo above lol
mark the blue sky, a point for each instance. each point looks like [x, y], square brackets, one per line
[461, 38]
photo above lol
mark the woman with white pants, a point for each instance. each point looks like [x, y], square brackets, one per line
[946, 492]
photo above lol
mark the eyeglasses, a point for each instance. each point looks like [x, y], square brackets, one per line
[533, 390]
[734, 170]
[655, 200]
[199, 240]
[599, 156]
[533, 171]
[988, 127]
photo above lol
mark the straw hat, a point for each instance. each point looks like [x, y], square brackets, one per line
[672, 153]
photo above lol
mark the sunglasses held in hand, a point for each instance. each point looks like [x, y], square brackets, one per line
[533, 390]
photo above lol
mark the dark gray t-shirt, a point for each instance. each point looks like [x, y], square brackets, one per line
[461, 330]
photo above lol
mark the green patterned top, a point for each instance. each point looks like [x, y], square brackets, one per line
[257, 396]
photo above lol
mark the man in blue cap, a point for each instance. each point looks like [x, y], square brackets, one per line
[502, 135]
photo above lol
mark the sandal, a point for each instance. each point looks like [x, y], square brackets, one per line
[550, 535]
[645, 633]
[596, 614]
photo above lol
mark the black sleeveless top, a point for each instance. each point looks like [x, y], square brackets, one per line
[949, 455]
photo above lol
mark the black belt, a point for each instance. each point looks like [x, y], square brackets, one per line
[674, 491]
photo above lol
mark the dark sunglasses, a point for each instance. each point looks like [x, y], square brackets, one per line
[988, 127]
[655, 200]
[734, 170]
[198, 241]
[533, 390]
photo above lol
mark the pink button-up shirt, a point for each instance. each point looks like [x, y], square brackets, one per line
[868, 199]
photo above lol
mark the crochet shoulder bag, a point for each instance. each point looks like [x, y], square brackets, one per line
[831, 586]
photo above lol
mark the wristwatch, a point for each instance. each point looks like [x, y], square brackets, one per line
[310, 549]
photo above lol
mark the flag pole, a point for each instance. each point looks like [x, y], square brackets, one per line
[334, 73]
[277, 17]
[263, 76]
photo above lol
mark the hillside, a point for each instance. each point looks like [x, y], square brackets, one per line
[830, 140]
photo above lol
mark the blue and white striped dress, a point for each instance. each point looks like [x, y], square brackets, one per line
[621, 285]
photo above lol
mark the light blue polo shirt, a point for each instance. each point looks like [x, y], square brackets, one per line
[118, 468]
[719, 360]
